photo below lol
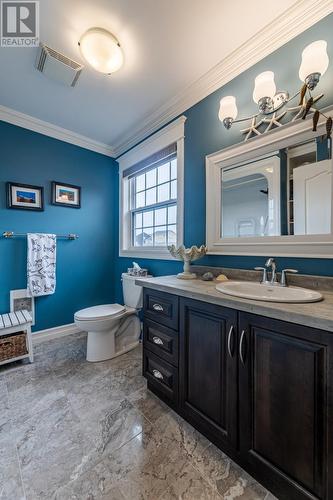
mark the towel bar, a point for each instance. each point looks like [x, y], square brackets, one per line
[11, 234]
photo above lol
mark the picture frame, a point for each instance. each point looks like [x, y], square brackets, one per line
[25, 196]
[65, 195]
[22, 299]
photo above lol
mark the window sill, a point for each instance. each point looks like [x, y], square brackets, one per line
[162, 254]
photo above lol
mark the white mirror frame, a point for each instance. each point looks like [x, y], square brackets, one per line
[311, 246]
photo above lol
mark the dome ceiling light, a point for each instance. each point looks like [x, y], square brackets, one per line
[101, 50]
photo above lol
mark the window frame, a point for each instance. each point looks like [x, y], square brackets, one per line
[173, 133]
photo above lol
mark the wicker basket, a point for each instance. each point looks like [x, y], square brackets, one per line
[13, 345]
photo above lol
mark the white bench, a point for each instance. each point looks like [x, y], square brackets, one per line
[14, 322]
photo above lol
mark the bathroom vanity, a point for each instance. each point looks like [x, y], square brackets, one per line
[256, 378]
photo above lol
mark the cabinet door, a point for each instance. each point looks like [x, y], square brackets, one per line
[284, 403]
[208, 369]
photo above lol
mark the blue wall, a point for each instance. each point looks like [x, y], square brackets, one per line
[85, 267]
[205, 134]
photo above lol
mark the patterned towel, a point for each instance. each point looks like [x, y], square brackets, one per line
[41, 264]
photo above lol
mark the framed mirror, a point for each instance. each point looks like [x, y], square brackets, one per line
[272, 195]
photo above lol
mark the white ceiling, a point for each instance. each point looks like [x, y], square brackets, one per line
[168, 45]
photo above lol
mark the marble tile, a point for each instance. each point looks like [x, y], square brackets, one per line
[148, 404]
[190, 486]
[11, 486]
[226, 477]
[5, 421]
[91, 486]
[75, 430]
[87, 383]
[126, 375]
[30, 390]
[51, 447]
[142, 469]
[181, 436]
[113, 429]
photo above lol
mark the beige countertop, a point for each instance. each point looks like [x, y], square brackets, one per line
[316, 314]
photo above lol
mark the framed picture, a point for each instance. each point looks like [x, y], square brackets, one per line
[21, 299]
[25, 196]
[66, 195]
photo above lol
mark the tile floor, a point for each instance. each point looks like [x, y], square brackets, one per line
[76, 430]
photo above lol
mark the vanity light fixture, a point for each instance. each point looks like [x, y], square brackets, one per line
[313, 65]
[228, 110]
[101, 50]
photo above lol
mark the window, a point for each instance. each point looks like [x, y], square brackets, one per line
[152, 198]
[154, 206]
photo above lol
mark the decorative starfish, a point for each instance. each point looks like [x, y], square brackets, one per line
[253, 129]
[274, 120]
[301, 108]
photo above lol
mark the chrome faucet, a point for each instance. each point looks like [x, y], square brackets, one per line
[270, 263]
[284, 281]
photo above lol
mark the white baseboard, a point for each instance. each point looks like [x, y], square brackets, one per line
[53, 333]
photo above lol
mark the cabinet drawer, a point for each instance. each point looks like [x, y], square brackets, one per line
[161, 375]
[161, 307]
[161, 340]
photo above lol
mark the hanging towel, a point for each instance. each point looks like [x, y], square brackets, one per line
[41, 264]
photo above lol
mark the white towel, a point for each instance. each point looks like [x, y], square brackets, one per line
[41, 264]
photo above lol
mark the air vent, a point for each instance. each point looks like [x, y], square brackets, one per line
[57, 66]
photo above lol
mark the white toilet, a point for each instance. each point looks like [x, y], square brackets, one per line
[112, 329]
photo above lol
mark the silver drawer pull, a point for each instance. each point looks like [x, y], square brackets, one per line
[241, 342]
[158, 374]
[157, 307]
[230, 337]
[158, 341]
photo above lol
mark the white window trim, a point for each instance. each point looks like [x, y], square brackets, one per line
[174, 132]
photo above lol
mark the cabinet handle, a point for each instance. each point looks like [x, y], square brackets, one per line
[241, 356]
[158, 341]
[157, 374]
[230, 336]
[157, 307]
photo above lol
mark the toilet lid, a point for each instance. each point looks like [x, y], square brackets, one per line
[100, 312]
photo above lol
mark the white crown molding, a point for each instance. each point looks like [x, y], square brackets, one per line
[42, 127]
[301, 16]
[54, 333]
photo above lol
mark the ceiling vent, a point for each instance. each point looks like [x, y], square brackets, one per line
[57, 66]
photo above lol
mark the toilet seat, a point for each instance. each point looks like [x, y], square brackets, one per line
[101, 312]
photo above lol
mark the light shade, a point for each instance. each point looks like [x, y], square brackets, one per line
[101, 50]
[264, 86]
[228, 108]
[314, 59]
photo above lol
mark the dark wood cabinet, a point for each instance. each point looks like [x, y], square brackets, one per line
[162, 377]
[208, 368]
[259, 388]
[284, 386]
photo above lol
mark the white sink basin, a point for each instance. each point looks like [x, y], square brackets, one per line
[267, 293]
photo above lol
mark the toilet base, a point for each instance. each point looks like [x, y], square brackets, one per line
[123, 336]
[101, 347]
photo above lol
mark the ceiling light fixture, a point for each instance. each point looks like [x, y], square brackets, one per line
[313, 65]
[101, 50]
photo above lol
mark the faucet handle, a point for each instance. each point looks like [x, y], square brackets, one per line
[284, 272]
[264, 276]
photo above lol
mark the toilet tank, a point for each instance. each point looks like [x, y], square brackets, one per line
[132, 292]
